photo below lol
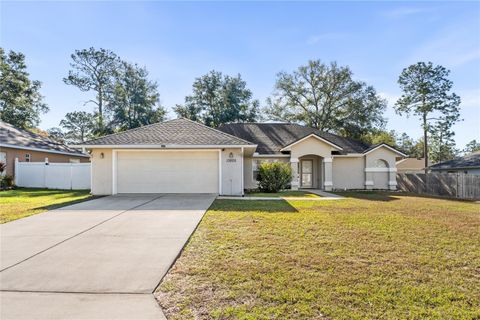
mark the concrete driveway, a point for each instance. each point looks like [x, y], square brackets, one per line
[100, 259]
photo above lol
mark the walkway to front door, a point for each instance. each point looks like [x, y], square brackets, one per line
[99, 259]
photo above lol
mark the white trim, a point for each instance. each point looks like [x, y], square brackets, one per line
[220, 191]
[369, 183]
[349, 155]
[311, 135]
[327, 160]
[392, 183]
[388, 147]
[15, 175]
[257, 155]
[380, 169]
[328, 184]
[162, 146]
[114, 171]
[242, 178]
[294, 160]
[5, 145]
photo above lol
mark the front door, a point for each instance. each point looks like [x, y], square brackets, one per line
[307, 173]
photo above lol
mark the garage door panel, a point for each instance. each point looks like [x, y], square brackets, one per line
[167, 172]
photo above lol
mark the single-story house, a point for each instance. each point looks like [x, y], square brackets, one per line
[183, 156]
[469, 164]
[411, 165]
[31, 147]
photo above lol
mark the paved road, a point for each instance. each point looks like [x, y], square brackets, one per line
[100, 259]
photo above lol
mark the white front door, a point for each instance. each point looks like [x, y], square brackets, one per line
[307, 173]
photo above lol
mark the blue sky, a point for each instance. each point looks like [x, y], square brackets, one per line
[178, 41]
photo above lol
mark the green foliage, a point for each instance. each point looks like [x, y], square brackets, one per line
[274, 176]
[442, 145]
[134, 100]
[6, 181]
[56, 134]
[426, 94]
[20, 100]
[471, 147]
[94, 70]
[327, 98]
[219, 99]
[79, 126]
[377, 136]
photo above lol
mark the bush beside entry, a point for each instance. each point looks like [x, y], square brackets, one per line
[274, 176]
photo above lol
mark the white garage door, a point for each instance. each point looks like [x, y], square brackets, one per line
[167, 172]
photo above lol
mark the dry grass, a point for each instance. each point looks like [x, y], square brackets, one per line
[373, 256]
[23, 202]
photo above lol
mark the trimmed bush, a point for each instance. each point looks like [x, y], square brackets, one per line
[274, 176]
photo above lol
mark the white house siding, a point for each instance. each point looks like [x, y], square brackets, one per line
[349, 172]
[101, 171]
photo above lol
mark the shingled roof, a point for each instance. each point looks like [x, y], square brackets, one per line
[469, 161]
[272, 137]
[174, 132]
[13, 137]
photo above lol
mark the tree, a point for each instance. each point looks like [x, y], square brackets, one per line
[472, 146]
[327, 98]
[56, 134]
[426, 95]
[21, 103]
[411, 147]
[218, 99]
[78, 125]
[377, 136]
[135, 99]
[442, 146]
[94, 70]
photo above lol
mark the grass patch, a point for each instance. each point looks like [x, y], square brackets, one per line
[24, 202]
[284, 194]
[374, 255]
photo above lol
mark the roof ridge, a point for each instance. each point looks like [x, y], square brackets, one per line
[216, 130]
[129, 130]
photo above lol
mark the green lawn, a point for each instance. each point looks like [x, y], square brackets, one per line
[372, 256]
[284, 194]
[23, 202]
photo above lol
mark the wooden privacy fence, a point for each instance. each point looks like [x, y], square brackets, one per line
[73, 176]
[454, 185]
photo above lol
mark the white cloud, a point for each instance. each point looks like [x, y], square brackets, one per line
[402, 12]
[325, 36]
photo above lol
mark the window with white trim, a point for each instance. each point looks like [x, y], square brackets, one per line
[27, 157]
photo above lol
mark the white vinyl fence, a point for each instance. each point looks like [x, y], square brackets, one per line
[74, 176]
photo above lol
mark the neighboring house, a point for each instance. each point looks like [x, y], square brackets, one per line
[183, 156]
[469, 164]
[411, 165]
[30, 147]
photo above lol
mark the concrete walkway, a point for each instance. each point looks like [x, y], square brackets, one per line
[99, 259]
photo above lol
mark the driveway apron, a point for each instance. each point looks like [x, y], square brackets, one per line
[117, 246]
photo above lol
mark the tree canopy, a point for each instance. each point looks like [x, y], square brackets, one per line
[327, 98]
[134, 100]
[426, 94]
[218, 99]
[78, 126]
[21, 103]
[94, 70]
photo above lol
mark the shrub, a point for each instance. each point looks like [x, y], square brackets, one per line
[274, 176]
[6, 181]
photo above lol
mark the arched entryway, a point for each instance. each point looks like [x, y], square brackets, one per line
[311, 172]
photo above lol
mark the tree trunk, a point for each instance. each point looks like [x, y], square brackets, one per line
[425, 143]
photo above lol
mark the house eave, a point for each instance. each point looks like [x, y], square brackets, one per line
[161, 146]
[287, 148]
[5, 145]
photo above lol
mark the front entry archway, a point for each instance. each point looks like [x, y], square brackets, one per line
[311, 172]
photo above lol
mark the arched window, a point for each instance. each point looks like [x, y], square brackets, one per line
[380, 163]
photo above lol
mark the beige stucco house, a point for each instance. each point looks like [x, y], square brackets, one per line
[182, 156]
